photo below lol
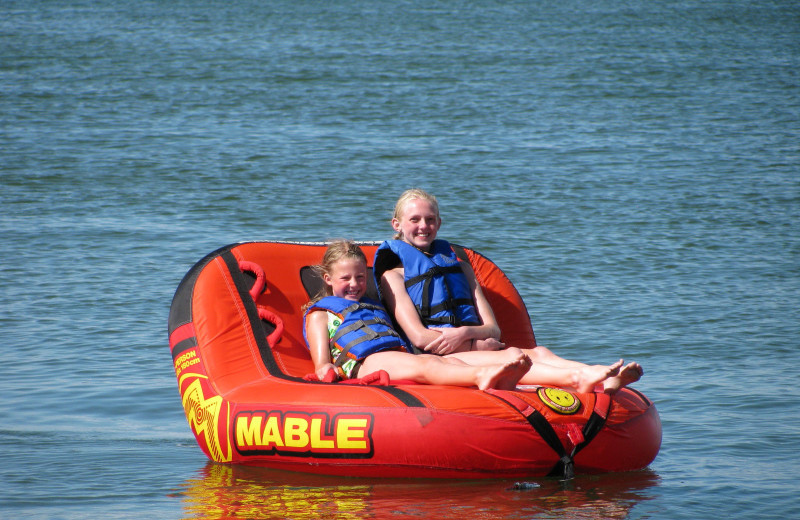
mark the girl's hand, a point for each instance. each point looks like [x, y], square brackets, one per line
[449, 340]
[488, 344]
[322, 371]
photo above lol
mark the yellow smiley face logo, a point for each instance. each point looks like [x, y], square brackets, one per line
[559, 400]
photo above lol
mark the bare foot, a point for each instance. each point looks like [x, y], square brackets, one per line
[504, 377]
[628, 374]
[587, 378]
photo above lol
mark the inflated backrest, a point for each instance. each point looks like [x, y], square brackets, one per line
[231, 337]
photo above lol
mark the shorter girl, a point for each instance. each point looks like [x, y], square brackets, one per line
[353, 335]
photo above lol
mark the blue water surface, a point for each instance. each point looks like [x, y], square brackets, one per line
[634, 167]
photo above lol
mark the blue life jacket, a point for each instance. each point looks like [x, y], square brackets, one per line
[435, 282]
[366, 328]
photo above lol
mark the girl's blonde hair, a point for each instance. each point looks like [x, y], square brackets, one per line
[337, 250]
[406, 197]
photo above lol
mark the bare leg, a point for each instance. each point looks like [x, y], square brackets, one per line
[537, 355]
[545, 355]
[567, 374]
[628, 374]
[436, 370]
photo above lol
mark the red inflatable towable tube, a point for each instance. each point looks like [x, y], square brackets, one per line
[235, 332]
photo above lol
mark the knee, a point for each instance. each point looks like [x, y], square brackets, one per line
[428, 362]
[539, 353]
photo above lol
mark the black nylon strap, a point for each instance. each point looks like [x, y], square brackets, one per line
[592, 427]
[565, 466]
[546, 431]
[590, 431]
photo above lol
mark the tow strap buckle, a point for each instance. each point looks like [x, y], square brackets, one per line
[575, 435]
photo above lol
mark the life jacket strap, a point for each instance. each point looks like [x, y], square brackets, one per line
[437, 270]
[448, 304]
[360, 305]
[369, 334]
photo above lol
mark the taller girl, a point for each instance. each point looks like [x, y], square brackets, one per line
[438, 303]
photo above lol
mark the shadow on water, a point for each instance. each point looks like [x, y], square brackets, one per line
[221, 491]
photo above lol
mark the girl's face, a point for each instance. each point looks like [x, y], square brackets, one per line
[418, 223]
[347, 279]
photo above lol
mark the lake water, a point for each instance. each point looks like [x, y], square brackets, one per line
[633, 166]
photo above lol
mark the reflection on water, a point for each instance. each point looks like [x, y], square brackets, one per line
[222, 491]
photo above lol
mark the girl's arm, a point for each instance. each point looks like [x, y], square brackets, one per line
[490, 329]
[444, 340]
[319, 342]
[399, 304]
